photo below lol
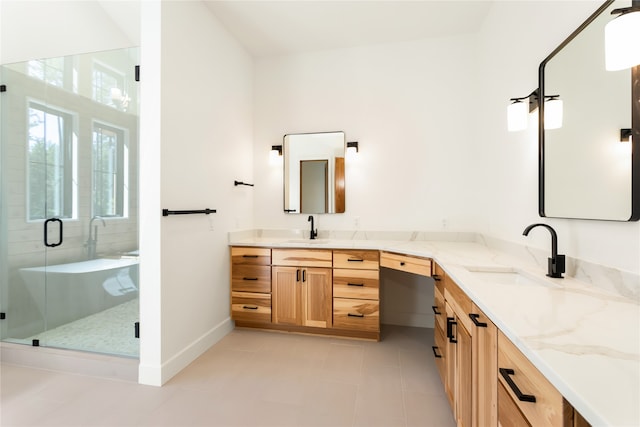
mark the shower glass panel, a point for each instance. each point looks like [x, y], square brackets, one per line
[69, 202]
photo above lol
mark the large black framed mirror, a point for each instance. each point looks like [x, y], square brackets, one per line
[314, 172]
[589, 168]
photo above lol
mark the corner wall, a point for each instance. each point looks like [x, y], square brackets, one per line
[515, 38]
[204, 143]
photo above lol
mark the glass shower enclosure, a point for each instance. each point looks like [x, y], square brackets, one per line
[69, 202]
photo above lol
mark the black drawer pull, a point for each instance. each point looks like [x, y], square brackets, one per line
[505, 372]
[249, 256]
[250, 307]
[435, 310]
[304, 275]
[355, 260]
[355, 284]
[401, 262]
[297, 275]
[450, 322]
[249, 278]
[355, 315]
[436, 277]
[435, 353]
[474, 318]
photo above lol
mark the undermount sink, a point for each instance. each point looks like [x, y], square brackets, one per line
[308, 241]
[507, 276]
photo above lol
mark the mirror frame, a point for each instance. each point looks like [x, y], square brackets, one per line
[284, 183]
[635, 125]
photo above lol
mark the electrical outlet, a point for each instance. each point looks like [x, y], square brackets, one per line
[444, 224]
[356, 222]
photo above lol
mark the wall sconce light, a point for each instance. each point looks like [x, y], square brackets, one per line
[621, 38]
[352, 148]
[625, 135]
[276, 150]
[518, 111]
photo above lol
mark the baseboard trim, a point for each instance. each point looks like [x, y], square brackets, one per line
[157, 375]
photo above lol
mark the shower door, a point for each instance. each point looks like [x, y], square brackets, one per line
[69, 217]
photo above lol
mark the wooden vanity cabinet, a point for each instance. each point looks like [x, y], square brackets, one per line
[468, 357]
[251, 284]
[301, 287]
[356, 291]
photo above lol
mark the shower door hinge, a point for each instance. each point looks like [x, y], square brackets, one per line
[136, 327]
[35, 343]
[3, 88]
[137, 73]
[3, 316]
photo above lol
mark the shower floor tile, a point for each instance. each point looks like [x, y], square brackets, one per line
[110, 332]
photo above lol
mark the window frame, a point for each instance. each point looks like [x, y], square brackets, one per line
[121, 174]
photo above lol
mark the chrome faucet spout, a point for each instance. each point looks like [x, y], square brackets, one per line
[92, 241]
[556, 264]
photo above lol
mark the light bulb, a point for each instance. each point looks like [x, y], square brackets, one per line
[517, 116]
[622, 42]
[553, 114]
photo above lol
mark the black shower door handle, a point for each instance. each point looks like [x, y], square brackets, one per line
[46, 229]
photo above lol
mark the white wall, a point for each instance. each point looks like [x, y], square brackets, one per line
[205, 143]
[411, 106]
[515, 38]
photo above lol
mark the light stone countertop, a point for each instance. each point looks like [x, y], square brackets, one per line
[584, 339]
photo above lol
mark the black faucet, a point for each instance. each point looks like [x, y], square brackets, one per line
[556, 262]
[314, 232]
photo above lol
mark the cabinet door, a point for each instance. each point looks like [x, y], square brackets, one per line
[286, 293]
[485, 370]
[463, 375]
[317, 297]
[450, 361]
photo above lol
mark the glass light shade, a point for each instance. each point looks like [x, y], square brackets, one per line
[622, 42]
[517, 116]
[553, 114]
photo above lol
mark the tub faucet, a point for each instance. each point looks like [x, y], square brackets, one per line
[556, 263]
[314, 233]
[92, 242]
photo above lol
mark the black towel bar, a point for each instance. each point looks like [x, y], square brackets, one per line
[167, 212]
[236, 183]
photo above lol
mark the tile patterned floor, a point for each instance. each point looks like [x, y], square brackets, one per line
[250, 378]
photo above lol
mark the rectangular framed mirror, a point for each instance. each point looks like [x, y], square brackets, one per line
[587, 169]
[314, 172]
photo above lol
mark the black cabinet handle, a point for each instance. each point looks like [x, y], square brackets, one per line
[297, 275]
[355, 315]
[46, 230]
[355, 284]
[506, 374]
[436, 278]
[401, 262]
[474, 318]
[304, 275]
[250, 278]
[250, 307]
[355, 260]
[435, 353]
[435, 310]
[249, 256]
[450, 322]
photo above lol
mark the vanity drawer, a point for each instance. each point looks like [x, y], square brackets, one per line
[548, 408]
[251, 307]
[408, 263]
[254, 256]
[439, 310]
[362, 284]
[362, 315]
[251, 278]
[356, 260]
[438, 277]
[302, 257]
[439, 353]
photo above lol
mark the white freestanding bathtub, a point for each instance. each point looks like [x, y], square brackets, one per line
[68, 292]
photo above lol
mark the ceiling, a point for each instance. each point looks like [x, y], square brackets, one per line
[268, 28]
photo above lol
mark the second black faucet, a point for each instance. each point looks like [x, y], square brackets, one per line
[556, 263]
[314, 232]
